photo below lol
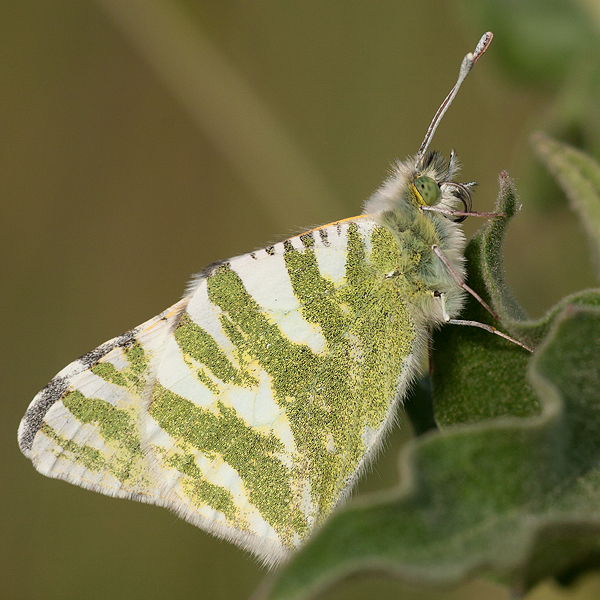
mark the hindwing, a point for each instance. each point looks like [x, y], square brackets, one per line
[251, 406]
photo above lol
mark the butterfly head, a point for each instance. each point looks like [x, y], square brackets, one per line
[423, 183]
[432, 185]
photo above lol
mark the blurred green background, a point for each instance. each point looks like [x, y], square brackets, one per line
[144, 139]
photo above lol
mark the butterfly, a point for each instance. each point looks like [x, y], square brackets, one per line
[252, 405]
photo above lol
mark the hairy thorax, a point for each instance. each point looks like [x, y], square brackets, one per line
[419, 274]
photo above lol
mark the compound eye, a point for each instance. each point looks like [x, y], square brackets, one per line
[428, 191]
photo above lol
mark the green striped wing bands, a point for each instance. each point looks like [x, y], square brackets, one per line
[279, 381]
[251, 406]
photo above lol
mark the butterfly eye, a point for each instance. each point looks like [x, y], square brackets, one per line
[428, 191]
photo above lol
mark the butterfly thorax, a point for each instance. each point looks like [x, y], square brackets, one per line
[397, 206]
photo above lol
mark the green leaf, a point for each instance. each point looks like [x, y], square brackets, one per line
[579, 176]
[477, 375]
[483, 497]
[510, 484]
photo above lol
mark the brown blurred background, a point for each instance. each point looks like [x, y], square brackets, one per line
[144, 139]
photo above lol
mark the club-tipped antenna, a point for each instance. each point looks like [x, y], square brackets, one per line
[467, 64]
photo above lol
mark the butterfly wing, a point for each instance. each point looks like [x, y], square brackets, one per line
[263, 395]
[85, 426]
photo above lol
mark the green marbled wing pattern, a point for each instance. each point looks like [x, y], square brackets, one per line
[278, 383]
[252, 405]
[85, 425]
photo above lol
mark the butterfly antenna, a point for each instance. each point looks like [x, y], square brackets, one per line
[467, 64]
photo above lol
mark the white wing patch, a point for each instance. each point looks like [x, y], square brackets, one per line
[298, 331]
[268, 282]
[93, 386]
[331, 253]
[61, 419]
[177, 376]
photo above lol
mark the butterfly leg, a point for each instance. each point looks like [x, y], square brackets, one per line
[477, 297]
[462, 213]
[460, 281]
[484, 326]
